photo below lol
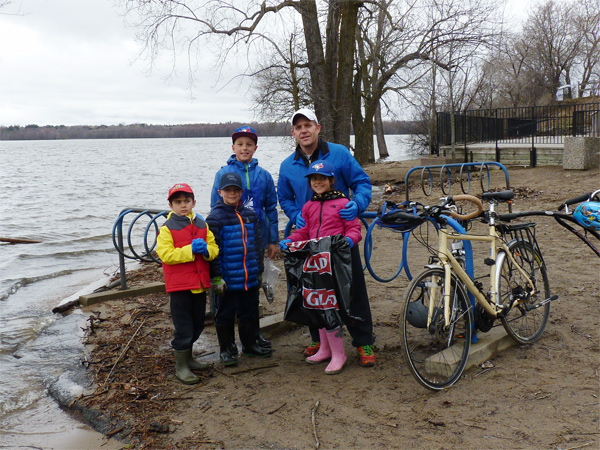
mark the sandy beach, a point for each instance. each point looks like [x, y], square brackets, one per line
[543, 395]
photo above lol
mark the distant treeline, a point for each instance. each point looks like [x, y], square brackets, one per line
[142, 130]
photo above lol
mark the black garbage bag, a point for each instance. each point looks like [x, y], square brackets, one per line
[319, 276]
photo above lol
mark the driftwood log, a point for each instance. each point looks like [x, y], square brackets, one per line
[19, 241]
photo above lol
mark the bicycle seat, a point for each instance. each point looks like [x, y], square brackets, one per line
[502, 196]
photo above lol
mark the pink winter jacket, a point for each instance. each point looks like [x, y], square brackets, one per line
[323, 219]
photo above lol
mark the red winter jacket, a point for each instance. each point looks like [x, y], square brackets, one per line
[183, 269]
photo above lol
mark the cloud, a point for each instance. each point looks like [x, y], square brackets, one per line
[73, 62]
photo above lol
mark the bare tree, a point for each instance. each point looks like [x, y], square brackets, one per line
[553, 37]
[402, 37]
[587, 25]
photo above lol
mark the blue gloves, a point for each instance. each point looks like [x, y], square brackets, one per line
[350, 241]
[199, 246]
[283, 243]
[350, 211]
[300, 222]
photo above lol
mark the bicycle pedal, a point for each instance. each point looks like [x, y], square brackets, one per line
[489, 261]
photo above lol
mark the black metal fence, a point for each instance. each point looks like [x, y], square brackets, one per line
[522, 125]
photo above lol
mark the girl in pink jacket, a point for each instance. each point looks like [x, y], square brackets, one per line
[322, 218]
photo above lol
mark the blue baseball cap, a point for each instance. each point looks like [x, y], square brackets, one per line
[230, 179]
[245, 131]
[320, 167]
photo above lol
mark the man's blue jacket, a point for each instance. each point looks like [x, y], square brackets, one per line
[294, 191]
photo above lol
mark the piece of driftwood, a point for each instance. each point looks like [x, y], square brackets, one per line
[313, 419]
[19, 241]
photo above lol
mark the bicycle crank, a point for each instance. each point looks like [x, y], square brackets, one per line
[540, 304]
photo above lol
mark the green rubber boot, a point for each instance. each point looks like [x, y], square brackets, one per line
[195, 365]
[182, 370]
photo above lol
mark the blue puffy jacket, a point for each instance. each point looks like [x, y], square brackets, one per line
[294, 191]
[259, 194]
[237, 235]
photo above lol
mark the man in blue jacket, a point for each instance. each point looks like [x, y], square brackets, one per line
[293, 191]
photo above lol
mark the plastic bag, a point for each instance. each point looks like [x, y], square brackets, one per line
[319, 275]
[270, 276]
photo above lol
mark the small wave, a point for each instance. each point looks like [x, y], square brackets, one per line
[15, 285]
[19, 401]
[66, 255]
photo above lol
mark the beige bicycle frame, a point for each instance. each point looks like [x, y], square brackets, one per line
[450, 263]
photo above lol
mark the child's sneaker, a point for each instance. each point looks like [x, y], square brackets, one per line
[312, 348]
[366, 357]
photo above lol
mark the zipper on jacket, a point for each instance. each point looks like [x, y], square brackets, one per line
[320, 219]
[244, 238]
[248, 176]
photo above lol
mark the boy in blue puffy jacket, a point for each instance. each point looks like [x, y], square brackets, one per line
[185, 246]
[237, 272]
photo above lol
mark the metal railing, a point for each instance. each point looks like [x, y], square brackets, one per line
[521, 125]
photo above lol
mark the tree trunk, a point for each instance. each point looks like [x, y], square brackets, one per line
[381, 145]
[343, 102]
[363, 141]
[316, 66]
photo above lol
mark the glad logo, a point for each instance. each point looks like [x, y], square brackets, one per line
[319, 298]
[320, 262]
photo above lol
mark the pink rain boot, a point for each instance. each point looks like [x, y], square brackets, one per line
[324, 352]
[338, 353]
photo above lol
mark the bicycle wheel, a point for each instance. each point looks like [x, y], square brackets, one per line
[526, 319]
[436, 354]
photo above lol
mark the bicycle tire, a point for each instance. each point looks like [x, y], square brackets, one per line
[525, 321]
[436, 356]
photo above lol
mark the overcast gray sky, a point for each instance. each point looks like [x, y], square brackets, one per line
[73, 62]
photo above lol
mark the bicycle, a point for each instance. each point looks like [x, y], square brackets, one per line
[442, 303]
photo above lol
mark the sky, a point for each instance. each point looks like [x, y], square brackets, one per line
[74, 62]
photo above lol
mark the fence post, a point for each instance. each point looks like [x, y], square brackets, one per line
[466, 157]
[121, 254]
[533, 152]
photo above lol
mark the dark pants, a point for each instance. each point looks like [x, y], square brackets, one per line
[361, 332]
[240, 304]
[188, 313]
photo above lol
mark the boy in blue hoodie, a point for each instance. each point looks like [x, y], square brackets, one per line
[258, 194]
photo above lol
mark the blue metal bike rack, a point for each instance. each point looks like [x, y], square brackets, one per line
[118, 241]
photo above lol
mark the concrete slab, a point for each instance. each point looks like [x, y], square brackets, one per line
[489, 345]
[275, 325]
[98, 297]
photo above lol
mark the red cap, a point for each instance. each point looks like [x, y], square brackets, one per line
[180, 187]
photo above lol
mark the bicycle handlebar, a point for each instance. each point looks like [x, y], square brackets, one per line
[581, 198]
[471, 199]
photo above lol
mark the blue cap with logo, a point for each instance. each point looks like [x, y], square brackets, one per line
[245, 131]
[320, 167]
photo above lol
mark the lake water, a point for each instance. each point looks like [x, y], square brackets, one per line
[68, 194]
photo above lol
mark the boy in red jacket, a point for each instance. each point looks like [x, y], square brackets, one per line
[185, 245]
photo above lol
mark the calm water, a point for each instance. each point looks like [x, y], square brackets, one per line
[68, 194]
